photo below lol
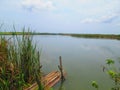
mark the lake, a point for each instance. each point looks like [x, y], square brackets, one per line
[82, 59]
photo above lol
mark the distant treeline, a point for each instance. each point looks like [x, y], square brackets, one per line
[15, 33]
[26, 33]
[104, 36]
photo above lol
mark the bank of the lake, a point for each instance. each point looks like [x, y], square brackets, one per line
[103, 36]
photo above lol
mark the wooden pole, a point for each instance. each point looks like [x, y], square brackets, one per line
[60, 60]
[61, 68]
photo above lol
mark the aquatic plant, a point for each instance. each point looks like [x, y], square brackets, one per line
[109, 61]
[95, 85]
[19, 62]
[113, 72]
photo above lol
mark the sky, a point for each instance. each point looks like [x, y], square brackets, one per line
[61, 16]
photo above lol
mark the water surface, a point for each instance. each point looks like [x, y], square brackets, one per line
[82, 60]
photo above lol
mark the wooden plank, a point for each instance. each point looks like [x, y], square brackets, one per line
[52, 79]
[48, 81]
[49, 76]
[32, 87]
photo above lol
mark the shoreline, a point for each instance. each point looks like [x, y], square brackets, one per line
[102, 36]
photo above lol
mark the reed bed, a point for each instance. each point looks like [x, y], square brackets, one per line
[19, 62]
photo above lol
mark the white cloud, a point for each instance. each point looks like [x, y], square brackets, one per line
[35, 5]
[85, 1]
[103, 19]
[110, 18]
[89, 20]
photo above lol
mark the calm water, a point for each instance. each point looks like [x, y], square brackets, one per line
[82, 60]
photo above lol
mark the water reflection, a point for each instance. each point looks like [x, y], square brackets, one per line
[61, 87]
[82, 59]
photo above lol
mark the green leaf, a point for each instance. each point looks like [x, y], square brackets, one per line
[109, 61]
[94, 84]
[112, 73]
[51, 89]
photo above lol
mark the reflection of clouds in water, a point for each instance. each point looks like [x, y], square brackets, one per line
[104, 50]
[86, 47]
[107, 49]
[89, 47]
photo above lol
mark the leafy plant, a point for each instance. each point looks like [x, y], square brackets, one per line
[109, 61]
[95, 85]
[19, 62]
[113, 72]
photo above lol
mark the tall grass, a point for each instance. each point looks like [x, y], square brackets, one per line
[19, 62]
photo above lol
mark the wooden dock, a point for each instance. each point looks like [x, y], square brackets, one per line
[52, 78]
[48, 80]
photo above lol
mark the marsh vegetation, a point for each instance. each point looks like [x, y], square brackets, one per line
[102, 36]
[19, 62]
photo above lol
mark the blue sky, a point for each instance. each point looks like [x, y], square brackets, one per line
[62, 16]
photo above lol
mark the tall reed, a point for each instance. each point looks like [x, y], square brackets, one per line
[21, 62]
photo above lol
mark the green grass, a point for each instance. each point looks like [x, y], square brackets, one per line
[19, 62]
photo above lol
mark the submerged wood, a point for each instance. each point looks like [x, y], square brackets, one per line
[48, 81]
[61, 69]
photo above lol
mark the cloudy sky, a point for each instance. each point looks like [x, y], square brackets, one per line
[67, 16]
